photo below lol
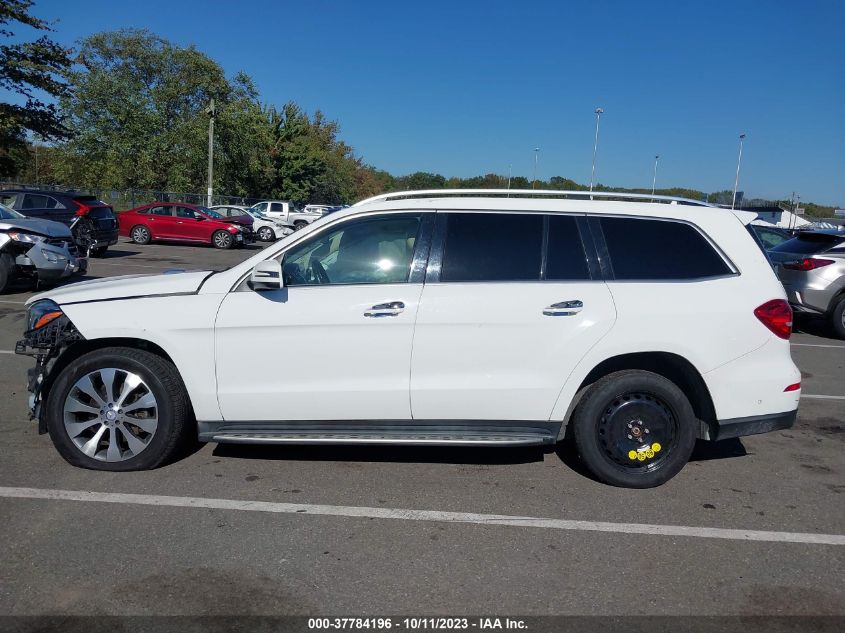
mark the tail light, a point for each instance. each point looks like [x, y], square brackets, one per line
[808, 263]
[777, 316]
[793, 387]
[83, 209]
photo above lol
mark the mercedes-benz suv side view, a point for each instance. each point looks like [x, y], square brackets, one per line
[632, 326]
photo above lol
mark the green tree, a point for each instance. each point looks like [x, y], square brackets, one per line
[29, 70]
[138, 115]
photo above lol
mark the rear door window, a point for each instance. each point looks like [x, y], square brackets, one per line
[165, 211]
[643, 249]
[37, 201]
[492, 247]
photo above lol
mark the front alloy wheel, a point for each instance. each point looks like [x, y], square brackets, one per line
[111, 414]
[222, 239]
[118, 409]
[265, 234]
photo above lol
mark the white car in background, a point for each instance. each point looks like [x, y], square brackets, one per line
[286, 211]
[266, 229]
[636, 325]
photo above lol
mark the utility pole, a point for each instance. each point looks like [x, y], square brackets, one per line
[536, 158]
[210, 111]
[738, 163]
[598, 112]
[654, 180]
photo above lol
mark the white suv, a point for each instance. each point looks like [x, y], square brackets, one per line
[459, 318]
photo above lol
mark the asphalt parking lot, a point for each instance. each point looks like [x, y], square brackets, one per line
[335, 535]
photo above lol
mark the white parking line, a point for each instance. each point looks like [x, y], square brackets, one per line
[20, 303]
[816, 397]
[3, 351]
[816, 345]
[423, 515]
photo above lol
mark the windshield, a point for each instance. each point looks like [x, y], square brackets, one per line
[8, 214]
[211, 213]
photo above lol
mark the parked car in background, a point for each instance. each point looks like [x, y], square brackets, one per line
[266, 229]
[181, 222]
[811, 267]
[454, 318]
[316, 208]
[40, 250]
[286, 211]
[95, 226]
[771, 235]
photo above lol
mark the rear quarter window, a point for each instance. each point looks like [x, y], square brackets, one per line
[642, 249]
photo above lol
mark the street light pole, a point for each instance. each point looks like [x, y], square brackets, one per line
[654, 180]
[510, 172]
[536, 158]
[738, 163]
[211, 112]
[599, 112]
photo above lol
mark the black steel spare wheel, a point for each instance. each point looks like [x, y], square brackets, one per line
[634, 428]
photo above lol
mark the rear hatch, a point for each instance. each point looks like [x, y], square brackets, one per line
[100, 213]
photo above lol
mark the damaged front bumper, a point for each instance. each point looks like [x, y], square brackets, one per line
[45, 344]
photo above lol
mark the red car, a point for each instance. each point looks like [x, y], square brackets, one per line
[181, 222]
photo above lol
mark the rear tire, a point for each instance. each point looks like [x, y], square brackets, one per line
[837, 318]
[6, 267]
[299, 224]
[634, 429]
[140, 234]
[222, 239]
[139, 449]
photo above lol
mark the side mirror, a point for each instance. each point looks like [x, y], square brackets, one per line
[267, 275]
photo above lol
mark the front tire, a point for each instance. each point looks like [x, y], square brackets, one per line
[222, 239]
[141, 234]
[266, 234]
[299, 224]
[837, 318]
[634, 429]
[118, 409]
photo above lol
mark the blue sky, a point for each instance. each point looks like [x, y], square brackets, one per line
[469, 87]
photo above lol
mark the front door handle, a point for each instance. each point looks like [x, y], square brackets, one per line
[391, 308]
[564, 308]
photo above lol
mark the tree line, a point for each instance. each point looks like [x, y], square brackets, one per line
[130, 111]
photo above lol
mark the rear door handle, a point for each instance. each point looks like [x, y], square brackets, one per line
[391, 308]
[564, 308]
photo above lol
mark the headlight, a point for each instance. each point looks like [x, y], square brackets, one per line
[41, 313]
[26, 238]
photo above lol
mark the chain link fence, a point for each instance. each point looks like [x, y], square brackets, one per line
[123, 199]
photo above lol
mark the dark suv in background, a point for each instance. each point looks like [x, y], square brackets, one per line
[92, 221]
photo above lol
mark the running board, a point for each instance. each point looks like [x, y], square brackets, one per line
[437, 435]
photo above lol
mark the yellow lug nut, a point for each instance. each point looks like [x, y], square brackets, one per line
[632, 454]
[656, 447]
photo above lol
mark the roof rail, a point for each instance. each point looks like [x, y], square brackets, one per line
[531, 193]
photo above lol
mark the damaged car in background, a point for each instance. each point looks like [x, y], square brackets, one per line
[41, 251]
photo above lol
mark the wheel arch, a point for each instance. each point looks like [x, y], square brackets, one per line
[667, 364]
[80, 348]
